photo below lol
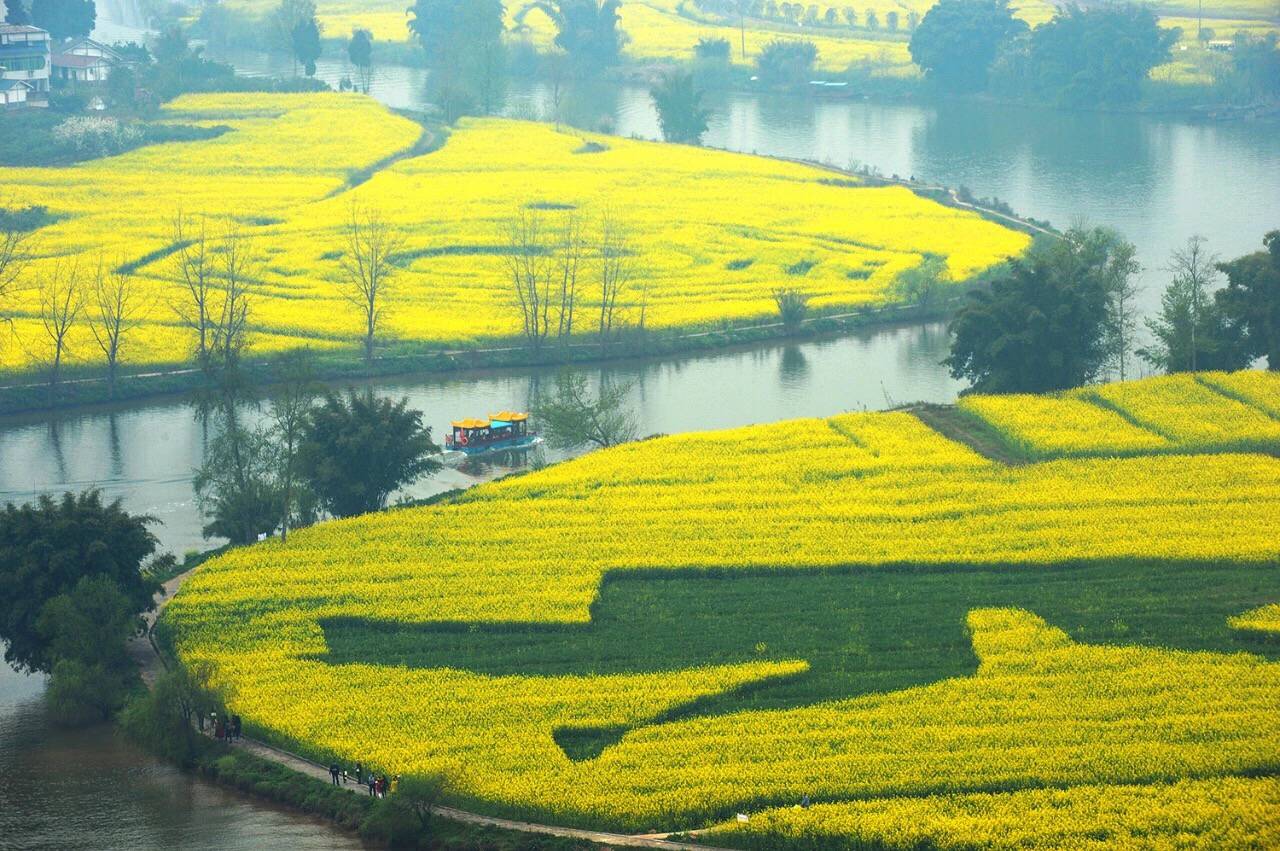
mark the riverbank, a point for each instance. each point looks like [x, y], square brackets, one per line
[86, 389]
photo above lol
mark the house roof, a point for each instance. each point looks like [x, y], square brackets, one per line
[10, 85]
[66, 49]
[16, 29]
[74, 60]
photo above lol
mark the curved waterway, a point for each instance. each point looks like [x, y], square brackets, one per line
[89, 790]
[1159, 180]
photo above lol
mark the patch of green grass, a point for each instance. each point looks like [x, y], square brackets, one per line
[861, 631]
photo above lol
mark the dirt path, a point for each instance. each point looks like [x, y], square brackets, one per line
[152, 666]
[951, 423]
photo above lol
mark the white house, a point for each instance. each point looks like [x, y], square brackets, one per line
[84, 60]
[24, 66]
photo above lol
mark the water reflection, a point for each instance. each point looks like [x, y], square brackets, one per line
[146, 453]
[89, 789]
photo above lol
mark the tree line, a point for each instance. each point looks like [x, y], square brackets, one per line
[1083, 56]
[1065, 315]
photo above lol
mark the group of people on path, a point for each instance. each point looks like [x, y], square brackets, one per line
[378, 784]
[225, 728]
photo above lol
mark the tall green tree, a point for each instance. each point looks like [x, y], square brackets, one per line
[64, 18]
[16, 12]
[462, 43]
[360, 53]
[1251, 299]
[1042, 325]
[589, 31]
[48, 546]
[1190, 331]
[681, 114]
[359, 449]
[787, 62]
[305, 42]
[1100, 55]
[238, 485]
[86, 630]
[573, 417]
[958, 40]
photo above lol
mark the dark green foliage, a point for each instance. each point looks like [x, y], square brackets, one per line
[16, 12]
[462, 43]
[958, 40]
[64, 18]
[360, 52]
[1042, 324]
[792, 306]
[572, 417]
[85, 631]
[712, 50]
[1251, 299]
[862, 631]
[359, 449]
[589, 31]
[305, 39]
[47, 547]
[164, 717]
[237, 486]
[1256, 66]
[1191, 331]
[1098, 56]
[681, 114]
[787, 63]
[360, 48]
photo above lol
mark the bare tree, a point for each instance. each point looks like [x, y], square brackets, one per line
[1121, 331]
[194, 268]
[290, 407]
[61, 301]
[617, 268]
[235, 262]
[15, 248]
[557, 68]
[113, 311]
[1194, 270]
[570, 259]
[367, 263]
[529, 273]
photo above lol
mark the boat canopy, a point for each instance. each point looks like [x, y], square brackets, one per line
[471, 423]
[498, 420]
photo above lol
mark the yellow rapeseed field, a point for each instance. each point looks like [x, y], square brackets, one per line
[713, 233]
[1029, 707]
[1206, 412]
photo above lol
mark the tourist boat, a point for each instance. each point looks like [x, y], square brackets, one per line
[504, 430]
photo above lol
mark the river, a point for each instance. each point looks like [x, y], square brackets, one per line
[1157, 179]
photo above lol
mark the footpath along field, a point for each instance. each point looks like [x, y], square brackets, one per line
[933, 646]
[713, 234]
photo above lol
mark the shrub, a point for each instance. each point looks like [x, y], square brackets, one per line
[792, 306]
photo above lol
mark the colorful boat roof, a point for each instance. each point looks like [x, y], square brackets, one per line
[500, 417]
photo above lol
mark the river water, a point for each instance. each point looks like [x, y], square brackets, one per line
[1158, 180]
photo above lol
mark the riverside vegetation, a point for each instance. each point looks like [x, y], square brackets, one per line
[927, 643]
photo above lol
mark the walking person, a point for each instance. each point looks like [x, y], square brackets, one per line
[359, 773]
[373, 786]
[395, 784]
[333, 773]
[235, 727]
